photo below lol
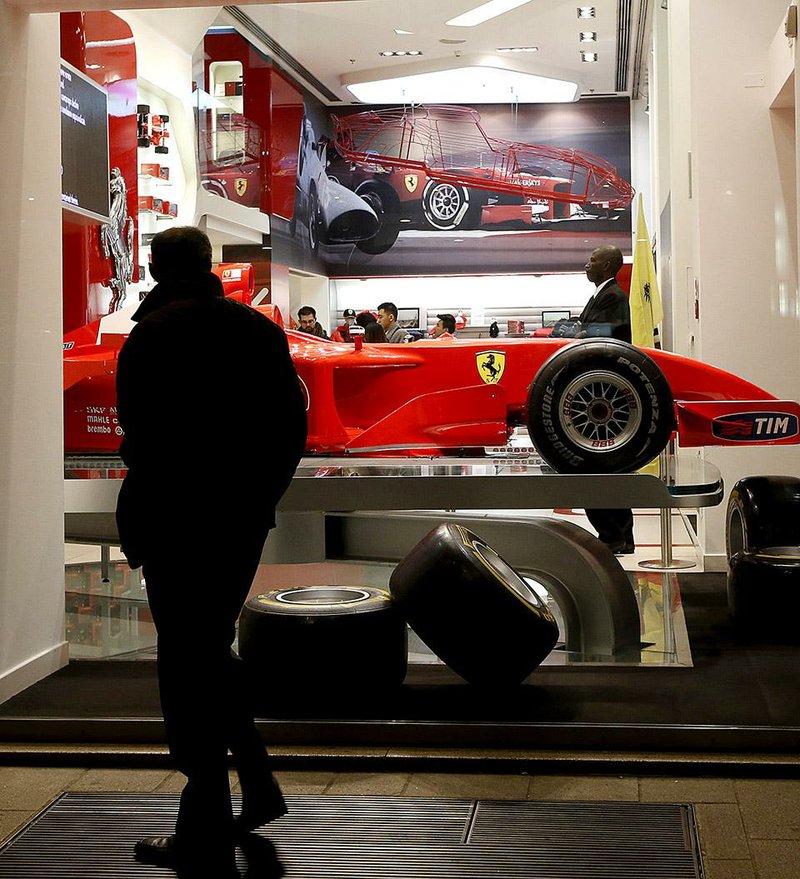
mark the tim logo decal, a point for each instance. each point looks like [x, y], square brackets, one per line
[491, 366]
[748, 427]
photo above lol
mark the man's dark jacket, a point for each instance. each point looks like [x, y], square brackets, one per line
[214, 420]
[609, 306]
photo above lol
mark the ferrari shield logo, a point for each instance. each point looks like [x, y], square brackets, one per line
[411, 181]
[240, 185]
[491, 366]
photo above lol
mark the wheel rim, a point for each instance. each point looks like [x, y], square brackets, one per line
[312, 223]
[506, 573]
[600, 411]
[322, 596]
[444, 202]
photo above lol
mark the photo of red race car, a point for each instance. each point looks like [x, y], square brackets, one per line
[435, 168]
[594, 405]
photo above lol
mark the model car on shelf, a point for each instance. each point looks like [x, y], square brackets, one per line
[594, 405]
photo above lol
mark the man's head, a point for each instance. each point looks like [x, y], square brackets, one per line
[349, 316]
[180, 254]
[308, 319]
[387, 314]
[445, 324]
[604, 263]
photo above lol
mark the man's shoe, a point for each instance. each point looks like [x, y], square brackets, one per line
[158, 850]
[162, 851]
[622, 548]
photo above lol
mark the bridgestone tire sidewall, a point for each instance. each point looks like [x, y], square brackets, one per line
[484, 630]
[764, 594]
[762, 511]
[653, 395]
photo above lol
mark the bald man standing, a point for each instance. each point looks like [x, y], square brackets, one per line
[609, 307]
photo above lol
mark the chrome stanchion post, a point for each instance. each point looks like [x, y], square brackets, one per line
[105, 561]
[666, 462]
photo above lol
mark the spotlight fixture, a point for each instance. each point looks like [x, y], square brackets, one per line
[588, 36]
[399, 53]
[588, 56]
[402, 33]
[484, 12]
[519, 49]
[586, 12]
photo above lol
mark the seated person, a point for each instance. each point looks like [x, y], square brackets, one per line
[446, 325]
[374, 332]
[307, 322]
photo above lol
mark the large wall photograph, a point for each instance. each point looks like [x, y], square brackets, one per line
[490, 189]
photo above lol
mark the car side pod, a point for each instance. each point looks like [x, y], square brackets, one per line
[472, 608]
[762, 538]
[325, 639]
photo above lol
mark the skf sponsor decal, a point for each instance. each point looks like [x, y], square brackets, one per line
[240, 185]
[491, 366]
[748, 427]
[411, 181]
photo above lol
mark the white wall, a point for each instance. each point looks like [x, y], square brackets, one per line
[741, 215]
[31, 451]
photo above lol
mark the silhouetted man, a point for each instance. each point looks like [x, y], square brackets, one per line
[609, 309]
[214, 426]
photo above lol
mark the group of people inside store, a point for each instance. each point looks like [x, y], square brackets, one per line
[381, 325]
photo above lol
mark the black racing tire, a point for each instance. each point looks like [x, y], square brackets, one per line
[323, 637]
[386, 205]
[161, 150]
[472, 608]
[762, 511]
[600, 406]
[143, 109]
[764, 592]
[446, 206]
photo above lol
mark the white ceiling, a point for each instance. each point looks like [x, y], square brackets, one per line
[345, 37]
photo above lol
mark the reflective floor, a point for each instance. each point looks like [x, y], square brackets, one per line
[110, 618]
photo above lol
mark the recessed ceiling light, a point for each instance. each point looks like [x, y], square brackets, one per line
[399, 53]
[588, 36]
[586, 12]
[473, 85]
[452, 42]
[402, 33]
[588, 56]
[484, 12]
[519, 49]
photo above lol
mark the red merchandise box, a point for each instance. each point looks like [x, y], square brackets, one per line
[145, 202]
[151, 170]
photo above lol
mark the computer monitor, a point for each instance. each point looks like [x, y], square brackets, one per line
[408, 318]
[550, 317]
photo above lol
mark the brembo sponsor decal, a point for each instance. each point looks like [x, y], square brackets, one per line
[748, 427]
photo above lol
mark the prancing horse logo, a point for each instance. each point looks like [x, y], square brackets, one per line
[491, 366]
[411, 181]
[240, 185]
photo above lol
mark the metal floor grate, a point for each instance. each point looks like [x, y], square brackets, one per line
[91, 836]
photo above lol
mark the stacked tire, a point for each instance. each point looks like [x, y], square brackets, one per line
[762, 536]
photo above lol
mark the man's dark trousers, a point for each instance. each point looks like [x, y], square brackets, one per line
[195, 602]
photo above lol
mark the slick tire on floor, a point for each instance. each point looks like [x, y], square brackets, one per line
[762, 511]
[764, 592]
[472, 608]
[332, 637]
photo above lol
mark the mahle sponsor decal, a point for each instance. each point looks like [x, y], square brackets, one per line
[747, 427]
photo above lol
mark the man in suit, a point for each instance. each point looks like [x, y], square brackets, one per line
[214, 425]
[608, 313]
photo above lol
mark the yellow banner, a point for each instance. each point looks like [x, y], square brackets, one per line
[646, 309]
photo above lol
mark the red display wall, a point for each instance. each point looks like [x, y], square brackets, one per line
[101, 45]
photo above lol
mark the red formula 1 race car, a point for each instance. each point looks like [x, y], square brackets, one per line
[595, 405]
